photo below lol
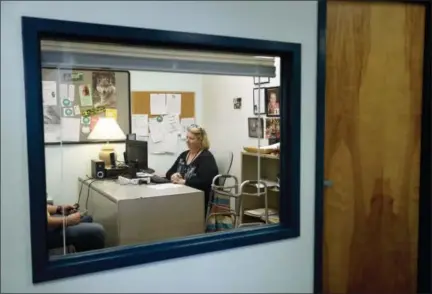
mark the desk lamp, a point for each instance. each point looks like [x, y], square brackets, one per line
[107, 129]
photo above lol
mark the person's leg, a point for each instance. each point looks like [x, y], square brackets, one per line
[86, 219]
[54, 238]
[86, 236]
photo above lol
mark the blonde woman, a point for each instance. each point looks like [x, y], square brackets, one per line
[195, 167]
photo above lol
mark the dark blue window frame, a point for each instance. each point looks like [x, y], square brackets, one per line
[36, 29]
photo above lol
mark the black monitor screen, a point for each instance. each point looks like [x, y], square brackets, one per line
[137, 151]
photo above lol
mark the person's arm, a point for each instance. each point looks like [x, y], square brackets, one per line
[173, 168]
[52, 209]
[204, 173]
[55, 222]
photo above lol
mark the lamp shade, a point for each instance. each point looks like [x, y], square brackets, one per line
[107, 129]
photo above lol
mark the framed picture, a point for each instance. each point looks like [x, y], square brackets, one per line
[237, 103]
[272, 101]
[255, 127]
[272, 129]
[261, 80]
[259, 92]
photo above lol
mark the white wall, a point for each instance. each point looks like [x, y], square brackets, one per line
[285, 266]
[228, 127]
[64, 164]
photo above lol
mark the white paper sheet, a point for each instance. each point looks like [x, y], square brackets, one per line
[71, 92]
[164, 186]
[170, 142]
[70, 129]
[49, 92]
[173, 103]
[64, 91]
[157, 130]
[185, 124]
[140, 125]
[172, 123]
[157, 148]
[157, 104]
[77, 110]
[52, 133]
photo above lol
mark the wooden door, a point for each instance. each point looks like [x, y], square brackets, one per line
[372, 146]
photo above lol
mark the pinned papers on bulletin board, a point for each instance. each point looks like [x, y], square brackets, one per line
[49, 93]
[157, 130]
[140, 125]
[167, 145]
[157, 104]
[173, 103]
[164, 134]
[172, 123]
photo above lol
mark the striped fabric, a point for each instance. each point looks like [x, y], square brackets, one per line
[216, 223]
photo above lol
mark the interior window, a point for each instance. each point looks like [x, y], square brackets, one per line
[151, 144]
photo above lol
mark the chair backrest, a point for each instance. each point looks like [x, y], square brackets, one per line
[224, 161]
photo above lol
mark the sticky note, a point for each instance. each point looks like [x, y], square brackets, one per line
[110, 112]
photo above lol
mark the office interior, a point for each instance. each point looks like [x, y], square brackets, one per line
[121, 185]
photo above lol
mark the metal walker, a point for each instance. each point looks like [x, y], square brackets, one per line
[237, 193]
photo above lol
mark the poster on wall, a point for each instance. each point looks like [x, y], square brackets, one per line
[272, 130]
[255, 127]
[104, 89]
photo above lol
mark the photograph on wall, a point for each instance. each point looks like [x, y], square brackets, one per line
[85, 95]
[52, 123]
[259, 101]
[104, 89]
[272, 101]
[237, 103]
[272, 130]
[255, 127]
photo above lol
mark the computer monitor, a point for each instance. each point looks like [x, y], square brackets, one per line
[136, 151]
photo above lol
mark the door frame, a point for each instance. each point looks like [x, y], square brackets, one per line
[424, 238]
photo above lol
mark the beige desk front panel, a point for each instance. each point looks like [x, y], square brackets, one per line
[151, 218]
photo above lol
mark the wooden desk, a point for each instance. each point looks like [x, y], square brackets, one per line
[133, 214]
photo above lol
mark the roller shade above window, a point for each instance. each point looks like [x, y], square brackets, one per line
[116, 57]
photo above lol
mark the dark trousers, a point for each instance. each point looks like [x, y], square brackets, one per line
[84, 236]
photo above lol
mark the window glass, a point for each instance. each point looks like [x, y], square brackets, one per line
[150, 144]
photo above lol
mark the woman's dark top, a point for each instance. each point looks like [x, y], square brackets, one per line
[198, 174]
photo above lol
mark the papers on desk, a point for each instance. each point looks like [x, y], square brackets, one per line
[164, 186]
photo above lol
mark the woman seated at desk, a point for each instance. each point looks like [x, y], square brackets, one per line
[195, 167]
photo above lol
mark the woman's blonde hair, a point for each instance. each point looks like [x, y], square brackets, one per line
[201, 135]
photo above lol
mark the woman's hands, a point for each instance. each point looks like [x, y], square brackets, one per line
[177, 179]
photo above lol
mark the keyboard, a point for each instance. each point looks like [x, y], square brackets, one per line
[159, 180]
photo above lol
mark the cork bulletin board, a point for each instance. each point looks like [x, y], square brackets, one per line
[74, 100]
[140, 102]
